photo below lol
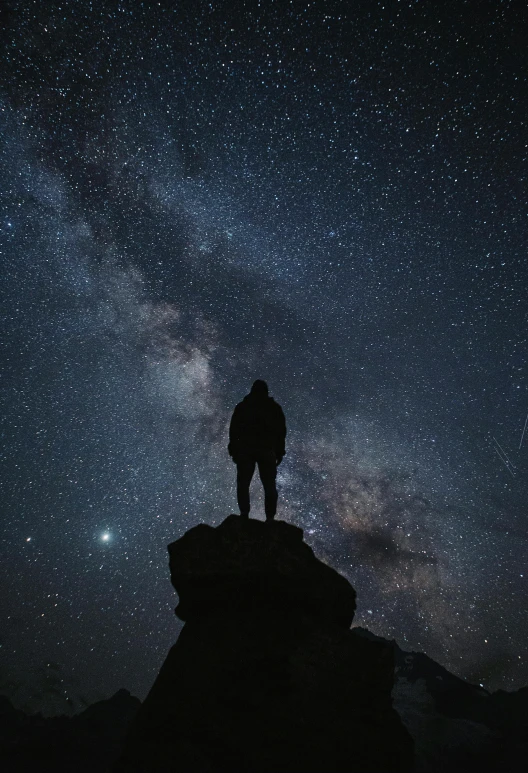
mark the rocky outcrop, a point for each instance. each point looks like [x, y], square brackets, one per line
[266, 675]
[245, 564]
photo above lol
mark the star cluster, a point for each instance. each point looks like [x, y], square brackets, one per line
[327, 195]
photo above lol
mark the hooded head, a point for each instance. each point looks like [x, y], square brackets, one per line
[259, 388]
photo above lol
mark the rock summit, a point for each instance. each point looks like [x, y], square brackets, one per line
[266, 675]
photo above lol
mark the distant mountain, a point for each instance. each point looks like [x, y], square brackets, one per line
[88, 742]
[457, 726]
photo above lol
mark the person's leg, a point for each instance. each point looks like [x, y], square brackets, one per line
[245, 470]
[268, 473]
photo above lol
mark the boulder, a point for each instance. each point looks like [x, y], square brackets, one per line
[266, 675]
[244, 563]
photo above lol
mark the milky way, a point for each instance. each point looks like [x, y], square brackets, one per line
[327, 195]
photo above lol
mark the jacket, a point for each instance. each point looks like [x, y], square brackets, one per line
[257, 427]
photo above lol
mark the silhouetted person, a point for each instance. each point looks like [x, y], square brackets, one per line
[256, 436]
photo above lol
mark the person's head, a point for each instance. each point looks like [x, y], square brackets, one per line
[259, 388]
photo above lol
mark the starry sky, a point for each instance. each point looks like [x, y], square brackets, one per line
[327, 195]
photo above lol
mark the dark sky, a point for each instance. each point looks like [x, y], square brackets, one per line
[327, 195]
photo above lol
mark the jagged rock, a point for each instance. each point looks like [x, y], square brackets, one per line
[243, 564]
[266, 675]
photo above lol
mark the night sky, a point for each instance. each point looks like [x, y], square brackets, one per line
[330, 196]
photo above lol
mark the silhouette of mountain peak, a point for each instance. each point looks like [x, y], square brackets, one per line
[266, 674]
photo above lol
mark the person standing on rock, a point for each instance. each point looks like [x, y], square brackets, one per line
[257, 434]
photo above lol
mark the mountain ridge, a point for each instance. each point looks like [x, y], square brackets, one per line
[24, 737]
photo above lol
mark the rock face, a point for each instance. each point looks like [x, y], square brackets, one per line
[266, 675]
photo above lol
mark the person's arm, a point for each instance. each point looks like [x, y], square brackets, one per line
[234, 432]
[281, 434]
